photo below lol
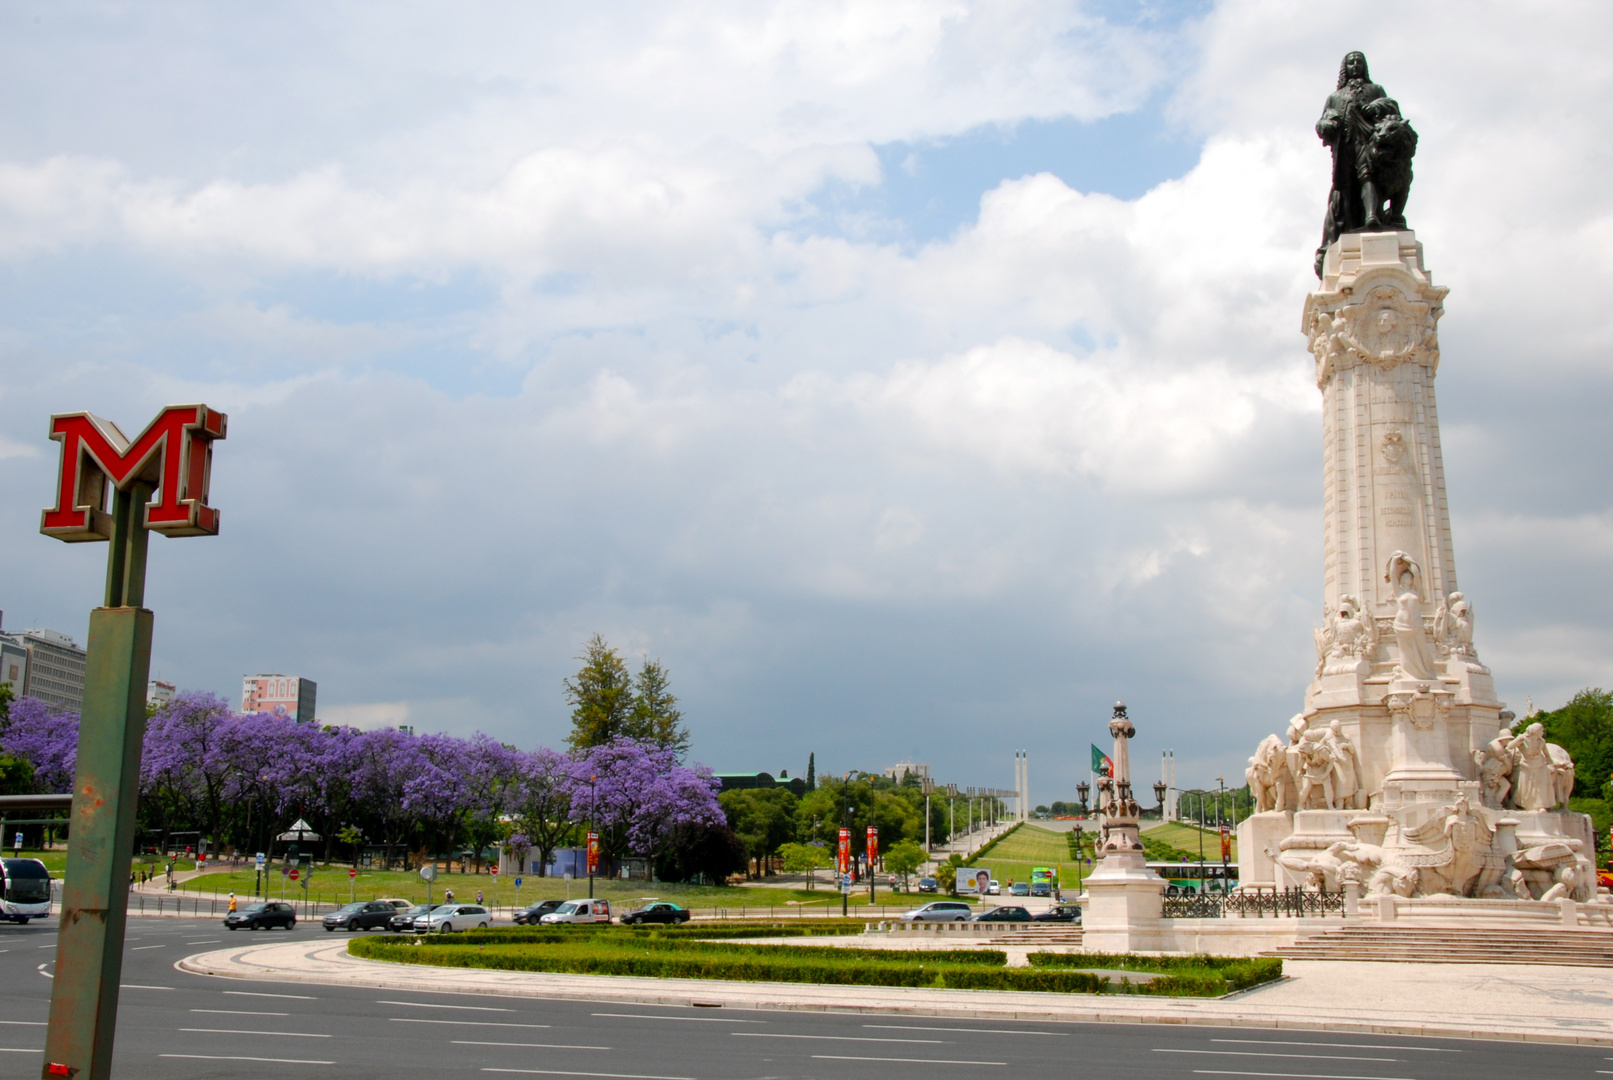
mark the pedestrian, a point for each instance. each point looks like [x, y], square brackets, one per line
[232, 903]
[448, 896]
[478, 896]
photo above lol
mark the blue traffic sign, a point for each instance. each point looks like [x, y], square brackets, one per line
[517, 883]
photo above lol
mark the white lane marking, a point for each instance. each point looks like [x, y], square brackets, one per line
[238, 1031]
[25, 1023]
[1257, 1053]
[608, 1076]
[908, 1061]
[18, 1050]
[249, 993]
[965, 1031]
[695, 1019]
[52, 945]
[428, 1005]
[533, 1046]
[1339, 1046]
[462, 1023]
[237, 1012]
[142, 948]
[141, 986]
[1293, 1076]
[209, 941]
[230, 1057]
[830, 1038]
[42, 971]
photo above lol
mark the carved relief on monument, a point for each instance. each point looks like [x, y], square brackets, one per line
[1416, 661]
[1384, 328]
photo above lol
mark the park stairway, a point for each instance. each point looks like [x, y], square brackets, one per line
[1051, 935]
[1455, 945]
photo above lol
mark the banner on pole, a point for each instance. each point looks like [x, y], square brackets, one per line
[593, 853]
[845, 851]
[873, 845]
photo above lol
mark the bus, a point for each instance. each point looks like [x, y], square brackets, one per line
[1043, 881]
[1186, 878]
[24, 890]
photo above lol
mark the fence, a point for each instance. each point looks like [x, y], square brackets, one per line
[1255, 903]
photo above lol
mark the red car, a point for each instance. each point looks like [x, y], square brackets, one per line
[1604, 878]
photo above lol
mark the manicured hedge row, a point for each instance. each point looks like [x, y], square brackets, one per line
[1198, 974]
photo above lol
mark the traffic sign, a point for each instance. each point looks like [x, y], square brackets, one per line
[428, 873]
[284, 869]
[18, 844]
[293, 873]
[260, 860]
[517, 883]
[494, 872]
[352, 873]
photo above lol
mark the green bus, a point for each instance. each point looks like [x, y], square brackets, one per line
[1195, 877]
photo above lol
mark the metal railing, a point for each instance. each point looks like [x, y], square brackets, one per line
[1255, 903]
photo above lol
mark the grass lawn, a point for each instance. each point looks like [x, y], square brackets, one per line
[1012, 857]
[330, 884]
[1185, 836]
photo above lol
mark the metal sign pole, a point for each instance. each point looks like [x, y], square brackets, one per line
[171, 458]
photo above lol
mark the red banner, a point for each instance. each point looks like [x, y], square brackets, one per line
[845, 851]
[593, 853]
[1226, 844]
[873, 846]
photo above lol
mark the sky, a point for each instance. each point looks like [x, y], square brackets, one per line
[913, 380]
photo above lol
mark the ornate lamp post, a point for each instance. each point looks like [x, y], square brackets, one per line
[1159, 797]
[1084, 789]
[119, 490]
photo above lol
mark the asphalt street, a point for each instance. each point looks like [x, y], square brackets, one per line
[173, 1025]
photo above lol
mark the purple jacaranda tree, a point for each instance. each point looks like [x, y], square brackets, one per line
[541, 804]
[634, 794]
[184, 762]
[435, 793]
[46, 738]
[492, 773]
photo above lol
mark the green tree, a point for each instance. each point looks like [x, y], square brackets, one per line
[763, 818]
[601, 697]
[804, 859]
[905, 859]
[352, 835]
[656, 717]
[1584, 727]
[812, 772]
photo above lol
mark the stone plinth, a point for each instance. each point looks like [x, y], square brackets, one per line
[1124, 905]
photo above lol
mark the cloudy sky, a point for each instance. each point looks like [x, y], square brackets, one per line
[913, 379]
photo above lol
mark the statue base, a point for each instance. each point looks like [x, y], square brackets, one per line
[1124, 905]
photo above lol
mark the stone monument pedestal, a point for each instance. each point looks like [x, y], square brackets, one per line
[1124, 906]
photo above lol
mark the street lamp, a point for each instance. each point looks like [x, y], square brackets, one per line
[927, 786]
[1083, 789]
[1159, 797]
[1221, 830]
[1080, 855]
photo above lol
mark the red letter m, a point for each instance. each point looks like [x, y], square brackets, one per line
[174, 454]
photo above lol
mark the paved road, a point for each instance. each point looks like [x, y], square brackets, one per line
[175, 1026]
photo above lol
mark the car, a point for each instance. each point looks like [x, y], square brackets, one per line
[403, 921]
[265, 915]
[1009, 913]
[24, 890]
[929, 884]
[1019, 888]
[1604, 879]
[1042, 888]
[446, 918]
[578, 911]
[1070, 913]
[939, 911]
[364, 915]
[995, 888]
[530, 914]
[659, 912]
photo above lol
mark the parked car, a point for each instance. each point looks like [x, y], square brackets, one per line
[929, 884]
[364, 915]
[446, 918]
[995, 888]
[262, 916]
[1007, 913]
[403, 921]
[1059, 913]
[661, 911]
[530, 915]
[24, 890]
[1019, 888]
[578, 911]
[1041, 888]
[939, 911]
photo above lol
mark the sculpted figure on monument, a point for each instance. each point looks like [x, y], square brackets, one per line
[1346, 767]
[1542, 772]
[1460, 841]
[1346, 639]
[1269, 779]
[1372, 150]
[1495, 770]
[1385, 873]
[1416, 651]
[1316, 785]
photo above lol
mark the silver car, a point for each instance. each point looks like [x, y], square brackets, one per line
[446, 918]
[940, 911]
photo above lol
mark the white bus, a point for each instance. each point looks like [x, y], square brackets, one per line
[24, 890]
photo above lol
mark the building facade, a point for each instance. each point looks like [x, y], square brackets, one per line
[13, 665]
[51, 667]
[159, 693]
[266, 693]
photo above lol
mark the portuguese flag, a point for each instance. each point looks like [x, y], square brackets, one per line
[1101, 763]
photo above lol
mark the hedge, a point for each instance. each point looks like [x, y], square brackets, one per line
[1200, 974]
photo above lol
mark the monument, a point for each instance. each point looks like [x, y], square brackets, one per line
[1402, 773]
[1124, 899]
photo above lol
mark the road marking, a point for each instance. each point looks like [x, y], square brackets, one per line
[25, 1023]
[693, 1019]
[52, 945]
[830, 1038]
[909, 1061]
[462, 1023]
[608, 1076]
[238, 1012]
[249, 993]
[237, 1031]
[1257, 1053]
[209, 941]
[142, 948]
[1293, 1076]
[965, 1031]
[229, 1057]
[428, 1005]
[18, 1050]
[141, 986]
[1340, 1046]
[533, 1046]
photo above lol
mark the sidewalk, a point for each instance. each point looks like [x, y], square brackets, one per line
[1509, 1003]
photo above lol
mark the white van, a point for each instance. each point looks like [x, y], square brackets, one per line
[24, 890]
[578, 911]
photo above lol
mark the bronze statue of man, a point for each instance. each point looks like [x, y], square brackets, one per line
[1348, 125]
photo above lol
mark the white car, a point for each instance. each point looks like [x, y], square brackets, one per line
[446, 918]
[578, 911]
[995, 889]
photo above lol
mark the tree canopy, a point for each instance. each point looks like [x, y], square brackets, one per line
[608, 703]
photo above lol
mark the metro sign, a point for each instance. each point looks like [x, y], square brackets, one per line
[174, 454]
